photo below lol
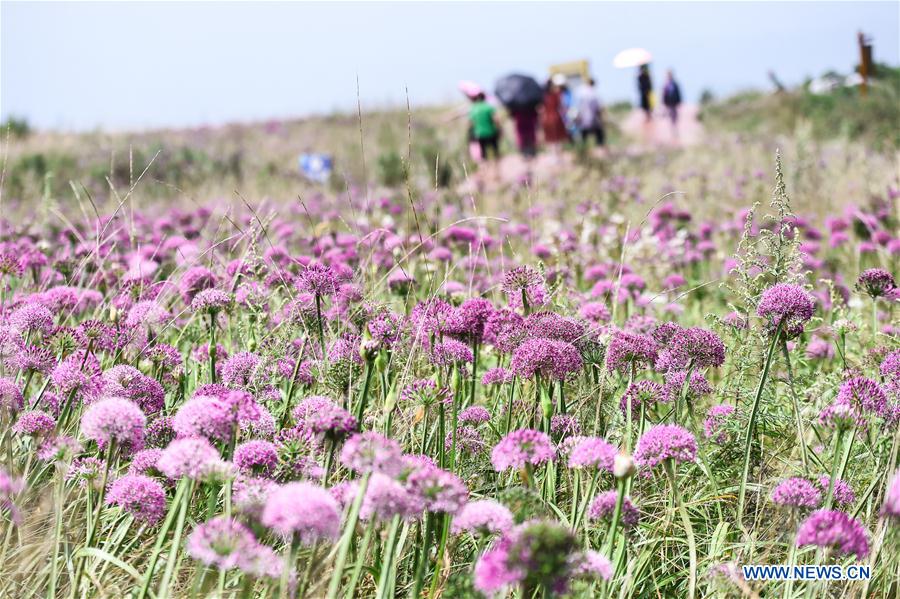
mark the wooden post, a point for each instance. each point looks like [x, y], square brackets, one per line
[865, 62]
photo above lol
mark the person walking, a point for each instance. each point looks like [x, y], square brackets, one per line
[485, 130]
[526, 122]
[645, 89]
[672, 99]
[552, 120]
[589, 113]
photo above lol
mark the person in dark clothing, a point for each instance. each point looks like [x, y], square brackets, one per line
[672, 98]
[645, 88]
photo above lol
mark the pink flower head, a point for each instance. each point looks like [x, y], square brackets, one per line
[304, 510]
[876, 282]
[834, 530]
[627, 349]
[891, 506]
[642, 393]
[187, 457]
[372, 452]
[796, 493]
[256, 457]
[787, 305]
[521, 447]
[592, 452]
[139, 495]
[34, 423]
[604, 504]
[715, 426]
[222, 543]
[547, 358]
[487, 517]
[665, 442]
[864, 394]
[114, 420]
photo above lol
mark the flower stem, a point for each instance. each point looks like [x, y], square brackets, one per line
[349, 528]
[801, 437]
[171, 569]
[751, 427]
[688, 529]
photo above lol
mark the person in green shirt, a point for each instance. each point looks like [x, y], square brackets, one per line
[484, 126]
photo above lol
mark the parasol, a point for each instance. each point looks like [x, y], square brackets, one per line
[632, 57]
[519, 91]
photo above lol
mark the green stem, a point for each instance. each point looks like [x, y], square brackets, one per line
[688, 529]
[387, 562]
[751, 428]
[364, 394]
[171, 561]
[360, 558]
[290, 558]
[801, 437]
[829, 496]
[180, 491]
[57, 534]
[439, 558]
[349, 528]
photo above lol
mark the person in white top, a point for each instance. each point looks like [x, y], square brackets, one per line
[589, 113]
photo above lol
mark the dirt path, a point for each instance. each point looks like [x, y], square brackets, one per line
[659, 131]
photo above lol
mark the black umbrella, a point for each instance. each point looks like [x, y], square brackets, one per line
[519, 91]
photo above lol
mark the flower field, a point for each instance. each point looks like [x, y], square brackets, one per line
[624, 379]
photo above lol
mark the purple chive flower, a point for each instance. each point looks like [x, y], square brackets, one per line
[187, 457]
[204, 416]
[321, 416]
[891, 506]
[842, 493]
[318, 279]
[864, 394]
[493, 572]
[715, 426]
[591, 565]
[665, 442]
[10, 487]
[474, 415]
[521, 447]
[890, 366]
[604, 504]
[876, 282]
[842, 416]
[59, 449]
[139, 495]
[145, 462]
[526, 282]
[550, 325]
[497, 376]
[484, 517]
[424, 392]
[11, 400]
[564, 425]
[194, 280]
[439, 491]
[627, 349]
[467, 322]
[211, 301]
[468, 440]
[643, 393]
[695, 347]
[595, 312]
[115, 420]
[256, 457]
[834, 530]
[130, 383]
[222, 543]
[34, 423]
[819, 349]
[31, 318]
[796, 493]
[450, 351]
[85, 471]
[372, 452]
[303, 510]
[505, 330]
[592, 452]
[787, 305]
[250, 495]
[387, 497]
[547, 358]
[33, 359]
[697, 387]
[159, 432]
[241, 370]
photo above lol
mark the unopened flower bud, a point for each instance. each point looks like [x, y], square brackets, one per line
[623, 465]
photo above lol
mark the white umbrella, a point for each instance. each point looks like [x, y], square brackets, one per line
[632, 57]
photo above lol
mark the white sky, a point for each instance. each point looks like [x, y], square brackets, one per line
[83, 65]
